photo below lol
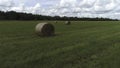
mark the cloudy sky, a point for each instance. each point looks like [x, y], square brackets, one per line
[74, 8]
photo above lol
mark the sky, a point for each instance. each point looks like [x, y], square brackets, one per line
[70, 8]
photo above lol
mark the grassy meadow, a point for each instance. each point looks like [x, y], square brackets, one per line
[83, 44]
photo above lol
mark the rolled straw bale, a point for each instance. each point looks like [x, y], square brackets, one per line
[67, 23]
[45, 29]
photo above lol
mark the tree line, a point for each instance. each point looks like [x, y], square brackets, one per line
[12, 15]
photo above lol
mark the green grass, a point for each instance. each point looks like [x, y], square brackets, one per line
[83, 44]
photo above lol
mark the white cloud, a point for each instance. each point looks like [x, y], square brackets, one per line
[86, 3]
[6, 3]
[20, 8]
[79, 8]
[67, 3]
[36, 9]
[104, 6]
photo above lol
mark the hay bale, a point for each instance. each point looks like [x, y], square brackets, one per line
[67, 22]
[56, 22]
[45, 29]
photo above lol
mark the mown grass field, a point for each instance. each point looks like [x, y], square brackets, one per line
[83, 44]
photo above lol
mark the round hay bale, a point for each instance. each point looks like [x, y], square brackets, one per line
[67, 22]
[56, 22]
[45, 29]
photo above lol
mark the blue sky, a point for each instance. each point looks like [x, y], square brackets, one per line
[74, 8]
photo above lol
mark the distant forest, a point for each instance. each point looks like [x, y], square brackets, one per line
[12, 15]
